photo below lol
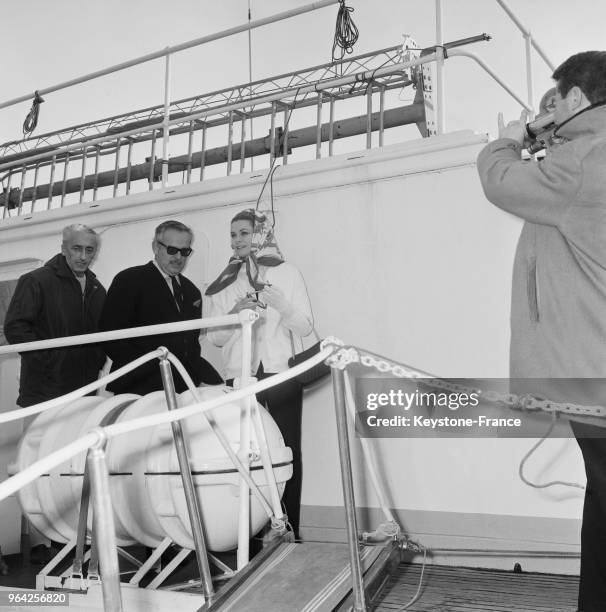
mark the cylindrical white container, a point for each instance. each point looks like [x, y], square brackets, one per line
[145, 481]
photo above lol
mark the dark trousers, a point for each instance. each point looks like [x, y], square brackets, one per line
[592, 586]
[284, 403]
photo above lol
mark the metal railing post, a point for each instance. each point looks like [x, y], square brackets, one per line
[7, 196]
[338, 385]
[166, 126]
[104, 530]
[530, 93]
[440, 124]
[191, 499]
[244, 452]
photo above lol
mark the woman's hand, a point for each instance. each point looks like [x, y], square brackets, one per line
[275, 298]
[246, 303]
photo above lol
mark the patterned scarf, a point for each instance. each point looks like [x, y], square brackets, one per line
[264, 252]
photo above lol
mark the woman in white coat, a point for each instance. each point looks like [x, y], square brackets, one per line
[258, 278]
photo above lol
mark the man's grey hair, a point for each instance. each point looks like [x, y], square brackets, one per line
[78, 227]
[174, 225]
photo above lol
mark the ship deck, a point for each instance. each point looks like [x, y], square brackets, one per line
[459, 589]
[444, 589]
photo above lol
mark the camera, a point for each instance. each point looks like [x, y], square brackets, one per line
[539, 133]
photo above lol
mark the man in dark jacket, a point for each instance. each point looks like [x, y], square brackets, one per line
[155, 293]
[62, 298]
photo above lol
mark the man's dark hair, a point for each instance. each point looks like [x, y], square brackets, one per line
[586, 70]
[174, 225]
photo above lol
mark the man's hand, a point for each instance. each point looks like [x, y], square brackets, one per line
[516, 130]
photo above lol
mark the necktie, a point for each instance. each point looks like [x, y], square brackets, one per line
[177, 292]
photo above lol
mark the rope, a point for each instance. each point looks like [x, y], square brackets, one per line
[31, 121]
[346, 32]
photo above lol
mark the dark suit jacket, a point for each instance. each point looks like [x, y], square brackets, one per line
[140, 296]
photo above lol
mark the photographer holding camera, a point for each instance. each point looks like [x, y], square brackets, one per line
[558, 311]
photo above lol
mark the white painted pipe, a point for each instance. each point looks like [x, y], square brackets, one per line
[440, 121]
[132, 332]
[492, 73]
[525, 32]
[165, 122]
[244, 452]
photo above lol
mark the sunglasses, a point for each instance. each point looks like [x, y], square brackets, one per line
[171, 250]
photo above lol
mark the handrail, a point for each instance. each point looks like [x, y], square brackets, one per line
[492, 73]
[249, 25]
[526, 33]
[132, 332]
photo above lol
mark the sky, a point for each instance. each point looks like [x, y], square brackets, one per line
[44, 43]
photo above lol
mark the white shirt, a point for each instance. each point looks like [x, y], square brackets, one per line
[167, 277]
[271, 332]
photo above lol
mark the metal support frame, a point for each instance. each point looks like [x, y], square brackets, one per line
[338, 383]
[191, 499]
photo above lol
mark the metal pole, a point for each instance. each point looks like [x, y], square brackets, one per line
[186, 45]
[37, 168]
[530, 93]
[166, 125]
[23, 173]
[230, 138]
[439, 70]
[338, 385]
[191, 499]
[244, 514]
[331, 125]
[203, 152]
[369, 117]
[243, 143]
[7, 197]
[252, 164]
[190, 149]
[104, 530]
[319, 127]
[65, 171]
[524, 31]
[381, 115]
[82, 174]
[51, 182]
[96, 175]
[117, 165]
[129, 157]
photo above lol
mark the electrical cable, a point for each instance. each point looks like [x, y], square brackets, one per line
[418, 593]
[273, 166]
[529, 453]
[31, 121]
[346, 32]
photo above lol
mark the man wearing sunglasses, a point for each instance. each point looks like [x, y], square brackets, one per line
[154, 293]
